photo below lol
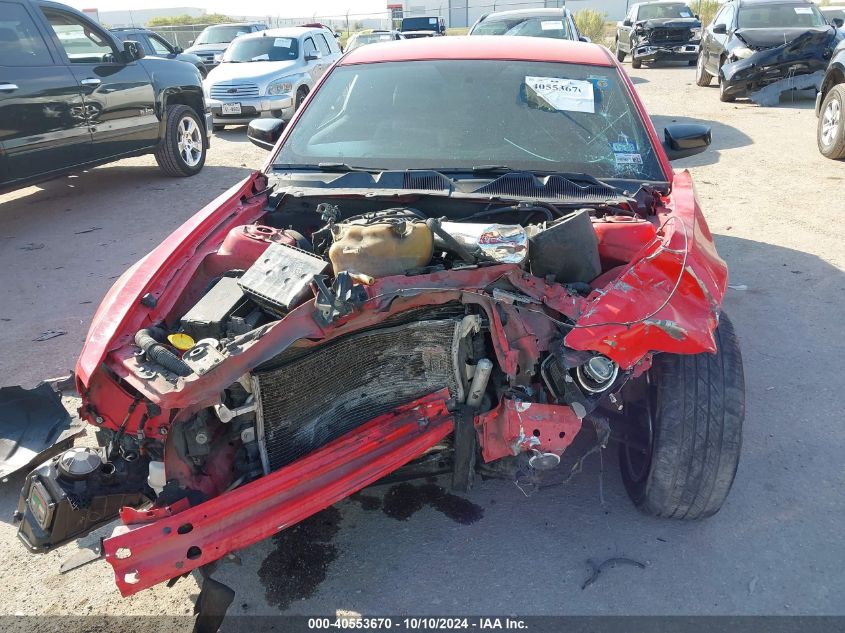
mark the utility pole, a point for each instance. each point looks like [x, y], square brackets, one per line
[347, 23]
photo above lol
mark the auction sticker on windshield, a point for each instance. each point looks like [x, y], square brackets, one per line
[551, 25]
[569, 95]
[282, 42]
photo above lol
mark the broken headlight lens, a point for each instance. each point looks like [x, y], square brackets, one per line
[743, 52]
[695, 32]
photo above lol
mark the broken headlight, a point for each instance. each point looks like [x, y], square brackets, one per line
[41, 504]
[743, 52]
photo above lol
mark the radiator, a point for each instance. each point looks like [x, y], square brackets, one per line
[336, 387]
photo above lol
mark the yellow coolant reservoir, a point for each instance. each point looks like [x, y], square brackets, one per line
[381, 247]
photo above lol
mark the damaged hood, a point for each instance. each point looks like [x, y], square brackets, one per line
[669, 23]
[770, 38]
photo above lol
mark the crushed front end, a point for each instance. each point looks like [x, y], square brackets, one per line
[290, 346]
[675, 39]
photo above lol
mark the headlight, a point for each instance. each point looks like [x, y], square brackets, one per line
[279, 88]
[743, 52]
[218, 57]
[695, 32]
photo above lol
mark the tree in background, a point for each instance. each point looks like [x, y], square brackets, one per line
[187, 20]
[591, 23]
[706, 10]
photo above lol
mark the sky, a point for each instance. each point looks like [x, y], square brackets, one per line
[282, 8]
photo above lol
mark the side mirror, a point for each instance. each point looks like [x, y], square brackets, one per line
[132, 51]
[685, 139]
[837, 22]
[720, 29]
[697, 17]
[178, 50]
[311, 57]
[626, 22]
[584, 38]
[191, 43]
[265, 132]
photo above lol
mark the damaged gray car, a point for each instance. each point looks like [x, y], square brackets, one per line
[762, 48]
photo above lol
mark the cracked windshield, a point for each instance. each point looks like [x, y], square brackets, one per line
[458, 114]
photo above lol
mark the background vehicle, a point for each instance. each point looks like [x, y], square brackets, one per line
[830, 107]
[743, 28]
[654, 31]
[154, 45]
[213, 40]
[359, 368]
[834, 12]
[268, 74]
[423, 26]
[554, 23]
[372, 37]
[72, 95]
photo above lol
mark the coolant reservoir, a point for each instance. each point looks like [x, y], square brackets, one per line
[381, 249]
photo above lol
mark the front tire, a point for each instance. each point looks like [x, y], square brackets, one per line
[830, 133]
[620, 55]
[636, 63]
[724, 97]
[182, 150]
[702, 77]
[690, 423]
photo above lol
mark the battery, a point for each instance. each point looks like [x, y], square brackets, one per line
[207, 319]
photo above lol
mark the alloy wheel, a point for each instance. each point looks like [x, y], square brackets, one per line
[830, 122]
[190, 141]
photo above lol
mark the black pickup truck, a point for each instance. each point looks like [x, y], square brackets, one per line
[72, 96]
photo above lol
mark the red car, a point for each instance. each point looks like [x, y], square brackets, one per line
[462, 254]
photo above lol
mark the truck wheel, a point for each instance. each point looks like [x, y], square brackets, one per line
[636, 63]
[702, 77]
[831, 127]
[620, 55]
[182, 150]
[689, 427]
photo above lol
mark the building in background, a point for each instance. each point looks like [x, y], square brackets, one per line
[464, 13]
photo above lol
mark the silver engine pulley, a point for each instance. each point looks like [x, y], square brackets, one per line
[597, 374]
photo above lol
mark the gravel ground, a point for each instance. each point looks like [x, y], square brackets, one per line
[775, 206]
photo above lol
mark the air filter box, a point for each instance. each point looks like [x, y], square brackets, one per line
[567, 249]
[207, 319]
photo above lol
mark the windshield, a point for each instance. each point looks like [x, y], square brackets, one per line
[456, 114]
[660, 11]
[419, 24]
[220, 34]
[262, 49]
[779, 16]
[534, 26]
[368, 38]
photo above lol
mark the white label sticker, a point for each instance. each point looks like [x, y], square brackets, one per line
[570, 95]
[804, 10]
[628, 159]
[686, 14]
[282, 42]
[551, 25]
[432, 20]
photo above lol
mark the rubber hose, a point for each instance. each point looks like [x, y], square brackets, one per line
[451, 242]
[159, 354]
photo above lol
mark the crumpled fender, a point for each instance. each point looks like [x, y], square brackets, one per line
[667, 299]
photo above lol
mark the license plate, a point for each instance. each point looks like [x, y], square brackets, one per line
[231, 108]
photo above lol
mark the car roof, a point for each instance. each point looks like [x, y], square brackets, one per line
[642, 4]
[210, 26]
[528, 13]
[536, 49]
[289, 31]
[130, 29]
[745, 3]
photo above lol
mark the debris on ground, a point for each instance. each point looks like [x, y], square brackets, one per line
[46, 336]
[610, 562]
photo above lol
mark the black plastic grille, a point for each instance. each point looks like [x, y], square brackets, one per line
[337, 387]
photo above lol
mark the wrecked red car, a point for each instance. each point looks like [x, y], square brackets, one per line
[462, 254]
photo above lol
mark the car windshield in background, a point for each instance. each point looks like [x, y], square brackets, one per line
[779, 16]
[369, 38]
[262, 49]
[660, 11]
[456, 114]
[220, 34]
[535, 26]
[419, 24]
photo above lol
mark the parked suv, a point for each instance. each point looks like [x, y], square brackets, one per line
[655, 31]
[284, 64]
[214, 40]
[72, 95]
[554, 23]
[155, 45]
[830, 107]
[422, 26]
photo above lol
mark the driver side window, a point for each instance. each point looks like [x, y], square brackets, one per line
[159, 47]
[309, 48]
[82, 43]
[724, 16]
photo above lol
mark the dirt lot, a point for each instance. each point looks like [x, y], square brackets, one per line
[775, 206]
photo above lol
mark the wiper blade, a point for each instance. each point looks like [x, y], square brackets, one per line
[331, 167]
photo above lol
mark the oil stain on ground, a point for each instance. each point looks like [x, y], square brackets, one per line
[300, 560]
[403, 500]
